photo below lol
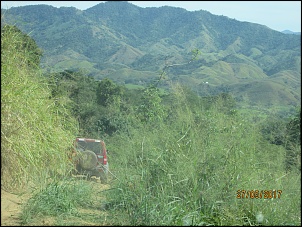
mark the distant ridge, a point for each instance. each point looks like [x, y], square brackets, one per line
[131, 45]
[290, 32]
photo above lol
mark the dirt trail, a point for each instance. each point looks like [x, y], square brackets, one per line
[11, 208]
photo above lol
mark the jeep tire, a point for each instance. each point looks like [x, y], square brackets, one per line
[88, 160]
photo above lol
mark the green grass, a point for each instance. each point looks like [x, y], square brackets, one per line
[58, 198]
[36, 131]
[191, 170]
[66, 202]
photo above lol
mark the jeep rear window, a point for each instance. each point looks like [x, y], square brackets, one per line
[92, 146]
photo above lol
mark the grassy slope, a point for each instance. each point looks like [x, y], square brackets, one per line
[36, 131]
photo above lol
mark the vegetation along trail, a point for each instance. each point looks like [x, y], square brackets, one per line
[187, 141]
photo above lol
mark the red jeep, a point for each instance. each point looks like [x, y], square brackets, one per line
[90, 158]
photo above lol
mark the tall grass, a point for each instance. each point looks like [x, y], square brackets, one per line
[59, 198]
[36, 131]
[188, 170]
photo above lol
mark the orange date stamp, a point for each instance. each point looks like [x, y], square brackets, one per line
[259, 194]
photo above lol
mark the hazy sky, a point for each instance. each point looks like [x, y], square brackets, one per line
[277, 15]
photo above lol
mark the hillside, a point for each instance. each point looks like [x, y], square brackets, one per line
[176, 159]
[131, 45]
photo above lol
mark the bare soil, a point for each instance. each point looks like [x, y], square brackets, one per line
[11, 208]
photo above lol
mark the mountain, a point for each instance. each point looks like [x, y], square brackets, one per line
[290, 32]
[131, 45]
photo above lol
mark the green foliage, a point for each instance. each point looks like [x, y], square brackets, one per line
[57, 199]
[294, 128]
[195, 54]
[111, 122]
[285, 132]
[108, 93]
[96, 105]
[274, 130]
[188, 170]
[36, 134]
[177, 159]
[293, 142]
[24, 44]
[76, 92]
[151, 108]
[130, 47]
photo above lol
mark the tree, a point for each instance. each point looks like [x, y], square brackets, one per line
[151, 107]
[293, 142]
[293, 128]
[108, 93]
